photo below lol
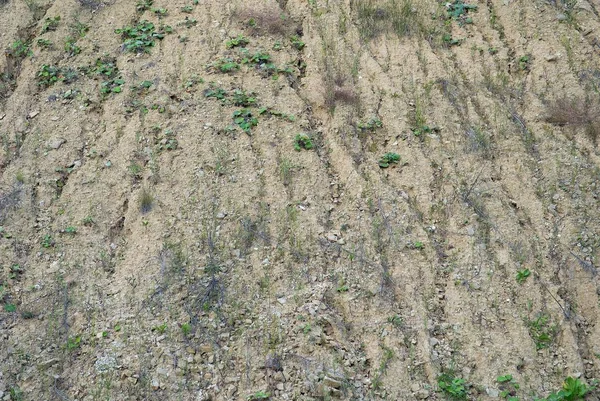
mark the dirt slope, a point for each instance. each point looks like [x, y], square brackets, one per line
[162, 238]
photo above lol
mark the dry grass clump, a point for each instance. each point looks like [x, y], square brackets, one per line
[577, 113]
[375, 18]
[267, 19]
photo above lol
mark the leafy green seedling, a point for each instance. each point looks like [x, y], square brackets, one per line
[297, 43]
[302, 141]
[389, 158]
[50, 24]
[240, 40]
[522, 275]
[454, 387]
[44, 44]
[370, 125]
[48, 75]
[139, 38]
[245, 119]
[226, 65]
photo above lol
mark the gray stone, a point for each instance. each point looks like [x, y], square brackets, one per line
[330, 382]
[56, 143]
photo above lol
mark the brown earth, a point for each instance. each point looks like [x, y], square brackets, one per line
[152, 250]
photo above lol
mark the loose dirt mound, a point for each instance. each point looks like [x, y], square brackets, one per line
[299, 200]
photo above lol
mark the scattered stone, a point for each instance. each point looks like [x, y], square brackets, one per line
[155, 384]
[492, 392]
[56, 143]
[33, 114]
[48, 363]
[552, 57]
[330, 382]
[422, 394]
[561, 17]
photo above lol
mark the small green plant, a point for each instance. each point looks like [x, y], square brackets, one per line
[342, 286]
[458, 10]
[88, 221]
[139, 38]
[524, 63]
[508, 387]
[454, 387]
[226, 65]
[388, 354]
[161, 12]
[44, 44]
[47, 241]
[388, 159]
[16, 394]
[48, 75]
[16, 271]
[297, 43]
[142, 87]
[240, 40]
[20, 49]
[80, 29]
[50, 24]
[573, 390]
[187, 9]
[71, 47]
[422, 129]
[144, 5]
[71, 230]
[186, 329]
[73, 343]
[277, 46]
[395, 320]
[541, 331]
[10, 308]
[302, 141]
[522, 275]
[193, 81]
[450, 41]
[259, 395]
[306, 328]
[215, 91]
[105, 67]
[370, 125]
[161, 329]
[112, 86]
[243, 99]
[188, 22]
[245, 119]
[419, 245]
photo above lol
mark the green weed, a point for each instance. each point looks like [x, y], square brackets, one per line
[389, 158]
[139, 38]
[454, 387]
[240, 40]
[48, 75]
[44, 44]
[226, 65]
[20, 49]
[522, 275]
[245, 119]
[541, 331]
[302, 141]
[50, 24]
